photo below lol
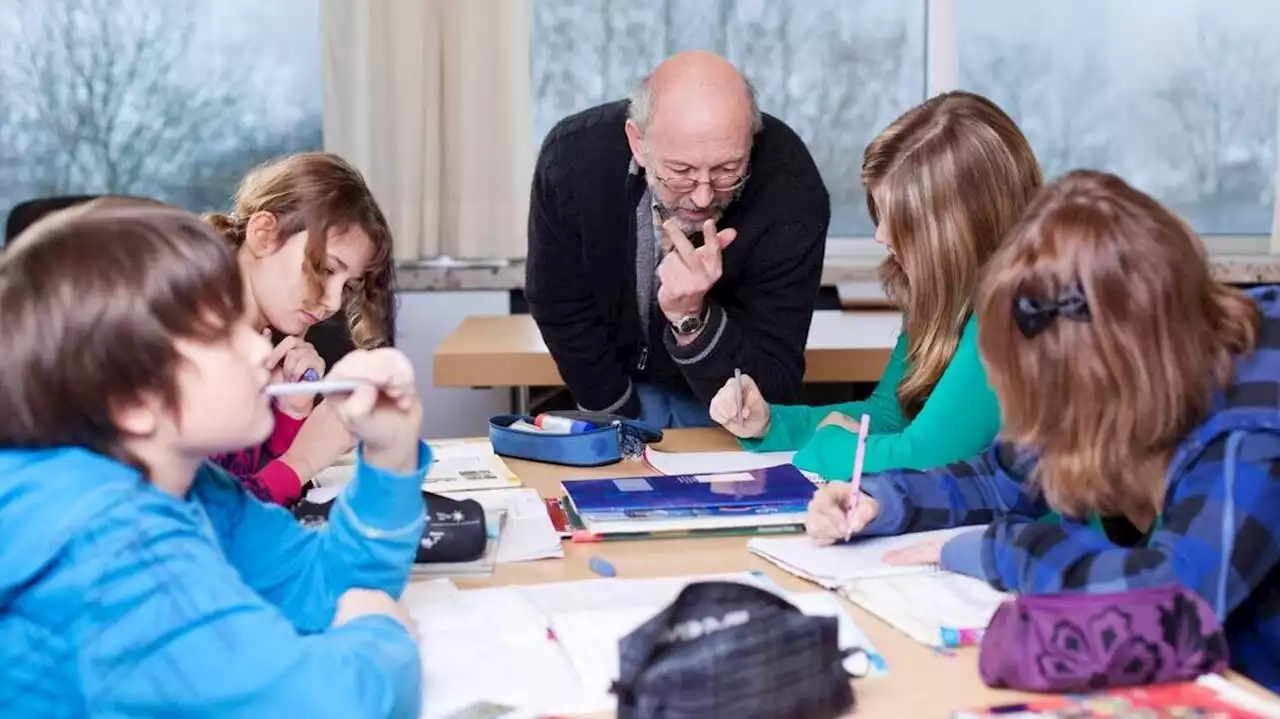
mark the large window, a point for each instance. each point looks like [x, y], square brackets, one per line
[1177, 96]
[172, 99]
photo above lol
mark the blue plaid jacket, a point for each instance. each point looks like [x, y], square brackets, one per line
[1238, 445]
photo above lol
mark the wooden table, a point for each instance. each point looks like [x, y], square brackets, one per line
[508, 351]
[920, 684]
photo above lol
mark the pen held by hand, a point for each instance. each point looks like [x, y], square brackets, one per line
[323, 387]
[855, 481]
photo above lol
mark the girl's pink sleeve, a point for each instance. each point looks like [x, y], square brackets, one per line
[285, 430]
[276, 483]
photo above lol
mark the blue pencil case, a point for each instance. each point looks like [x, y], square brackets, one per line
[613, 438]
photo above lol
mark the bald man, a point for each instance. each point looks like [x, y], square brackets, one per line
[673, 238]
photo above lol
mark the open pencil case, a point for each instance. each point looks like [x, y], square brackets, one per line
[613, 438]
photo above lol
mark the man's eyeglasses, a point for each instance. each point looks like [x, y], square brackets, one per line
[685, 184]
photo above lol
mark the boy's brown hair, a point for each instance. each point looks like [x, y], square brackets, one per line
[1125, 337]
[320, 193]
[91, 301]
[949, 178]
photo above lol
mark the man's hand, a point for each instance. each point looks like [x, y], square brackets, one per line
[686, 273]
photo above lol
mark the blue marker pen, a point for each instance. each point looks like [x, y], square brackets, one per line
[601, 567]
[310, 376]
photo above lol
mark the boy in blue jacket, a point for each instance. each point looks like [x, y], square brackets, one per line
[1140, 400]
[137, 580]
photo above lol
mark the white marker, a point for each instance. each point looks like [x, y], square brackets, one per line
[290, 389]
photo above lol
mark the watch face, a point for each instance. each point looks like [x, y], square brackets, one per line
[688, 324]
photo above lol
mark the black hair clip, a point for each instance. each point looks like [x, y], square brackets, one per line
[1034, 316]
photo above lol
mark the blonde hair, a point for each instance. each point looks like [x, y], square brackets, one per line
[319, 193]
[1106, 399]
[950, 178]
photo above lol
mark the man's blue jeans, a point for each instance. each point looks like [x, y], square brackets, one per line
[668, 408]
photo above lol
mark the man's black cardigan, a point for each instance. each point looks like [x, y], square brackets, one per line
[581, 272]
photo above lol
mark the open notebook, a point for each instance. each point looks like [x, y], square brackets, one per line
[836, 565]
[932, 606]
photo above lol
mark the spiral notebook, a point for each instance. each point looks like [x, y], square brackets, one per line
[836, 565]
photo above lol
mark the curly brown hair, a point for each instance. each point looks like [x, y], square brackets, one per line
[321, 193]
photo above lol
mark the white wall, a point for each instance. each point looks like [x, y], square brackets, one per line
[423, 319]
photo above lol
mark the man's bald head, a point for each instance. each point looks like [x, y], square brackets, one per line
[697, 82]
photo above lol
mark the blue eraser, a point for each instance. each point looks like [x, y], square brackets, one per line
[601, 567]
[310, 376]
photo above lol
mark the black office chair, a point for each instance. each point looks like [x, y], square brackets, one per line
[331, 337]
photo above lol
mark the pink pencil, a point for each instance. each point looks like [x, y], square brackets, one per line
[855, 482]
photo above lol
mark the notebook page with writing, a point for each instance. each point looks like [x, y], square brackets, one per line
[836, 565]
[924, 605]
[491, 645]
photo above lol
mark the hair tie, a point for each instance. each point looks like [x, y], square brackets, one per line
[1034, 317]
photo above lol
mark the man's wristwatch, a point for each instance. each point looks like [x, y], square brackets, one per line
[689, 324]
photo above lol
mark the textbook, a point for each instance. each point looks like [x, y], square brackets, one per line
[773, 490]
[573, 527]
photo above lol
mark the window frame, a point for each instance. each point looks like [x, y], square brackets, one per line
[942, 73]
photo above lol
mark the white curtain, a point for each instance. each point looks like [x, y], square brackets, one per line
[431, 100]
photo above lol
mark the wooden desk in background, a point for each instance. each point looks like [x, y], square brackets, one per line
[508, 351]
[920, 683]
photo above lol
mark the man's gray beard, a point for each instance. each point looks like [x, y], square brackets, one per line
[666, 212]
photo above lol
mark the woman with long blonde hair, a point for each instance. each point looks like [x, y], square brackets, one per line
[945, 183]
[1140, 401]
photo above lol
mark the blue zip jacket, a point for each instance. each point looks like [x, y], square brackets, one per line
[119, 600]
[1218, 535]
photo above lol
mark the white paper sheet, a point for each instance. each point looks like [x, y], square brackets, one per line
[836, 565]
[490, 644]
[677, 463]
[528, 534]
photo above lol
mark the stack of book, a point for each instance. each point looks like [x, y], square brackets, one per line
[759, 501]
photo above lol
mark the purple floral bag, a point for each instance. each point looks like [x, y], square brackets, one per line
[1080, 642]
[1083, 642]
